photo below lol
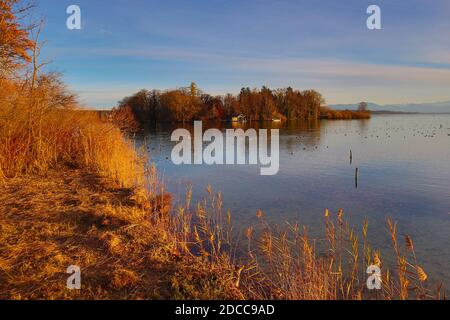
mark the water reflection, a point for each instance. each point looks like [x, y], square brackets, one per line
[404, 173]
[294, 135]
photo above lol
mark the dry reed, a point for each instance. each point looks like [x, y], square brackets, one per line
[42, 128]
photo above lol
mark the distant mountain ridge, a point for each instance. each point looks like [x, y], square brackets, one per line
[434, 107]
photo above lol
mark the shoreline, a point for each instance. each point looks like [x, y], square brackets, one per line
[129, 246]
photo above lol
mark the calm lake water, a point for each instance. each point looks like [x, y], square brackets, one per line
[404, 173]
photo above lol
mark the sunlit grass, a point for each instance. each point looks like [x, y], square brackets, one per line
[44, 128]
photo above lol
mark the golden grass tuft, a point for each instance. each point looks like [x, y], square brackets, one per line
[124, 278]
[421, 274]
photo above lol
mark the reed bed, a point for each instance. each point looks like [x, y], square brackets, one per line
[42, 127]
[272, 262]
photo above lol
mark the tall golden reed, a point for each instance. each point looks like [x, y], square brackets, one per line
[43, 128]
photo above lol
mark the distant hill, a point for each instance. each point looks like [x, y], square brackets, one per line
[435, 107]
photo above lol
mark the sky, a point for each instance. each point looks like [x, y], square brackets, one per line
[124, 46]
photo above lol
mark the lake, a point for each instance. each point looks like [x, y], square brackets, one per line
[404, 173]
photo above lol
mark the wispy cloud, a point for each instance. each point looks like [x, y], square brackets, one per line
[327, 69]
[224, 45]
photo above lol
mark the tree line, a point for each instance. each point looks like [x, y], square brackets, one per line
[190, 103]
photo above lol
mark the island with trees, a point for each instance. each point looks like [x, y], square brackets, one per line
[265, 104]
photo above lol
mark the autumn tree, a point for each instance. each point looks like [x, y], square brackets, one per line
[194, 106]
[193, 89]
[313, 100]
[268, 107]
[15, 43]
[244, 102]
[178, 103]
[190, 103]
[139, 103]
[230, 105]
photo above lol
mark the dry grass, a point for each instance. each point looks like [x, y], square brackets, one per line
[285, 263]
[42, 128]
[73, 217]
[290, 265]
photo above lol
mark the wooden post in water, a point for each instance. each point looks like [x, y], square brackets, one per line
[351, 157]
[356, 178]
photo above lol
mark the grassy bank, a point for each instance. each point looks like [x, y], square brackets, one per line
[130, 246]
[75, 217]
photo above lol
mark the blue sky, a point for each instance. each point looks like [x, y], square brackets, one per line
[125, 46]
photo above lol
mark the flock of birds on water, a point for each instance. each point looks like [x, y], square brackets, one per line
[309, 140]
